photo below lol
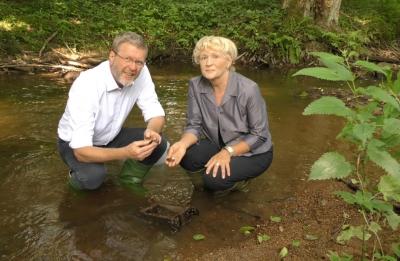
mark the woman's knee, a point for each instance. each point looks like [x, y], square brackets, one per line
[217, 183]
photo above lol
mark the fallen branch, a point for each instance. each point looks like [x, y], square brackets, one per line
[62, 67]
[46, 42]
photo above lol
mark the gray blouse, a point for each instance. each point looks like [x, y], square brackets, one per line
[241, 116]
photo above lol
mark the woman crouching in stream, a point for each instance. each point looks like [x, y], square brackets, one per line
[226, 139]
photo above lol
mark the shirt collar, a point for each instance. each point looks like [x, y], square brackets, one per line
[231, 90]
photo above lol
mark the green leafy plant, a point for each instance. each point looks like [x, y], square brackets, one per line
[373, 128]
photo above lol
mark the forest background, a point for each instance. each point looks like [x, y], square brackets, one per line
[271, 33]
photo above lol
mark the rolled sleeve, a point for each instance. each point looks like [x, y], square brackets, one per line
[194, 117]
[148, 100]
[257, 119]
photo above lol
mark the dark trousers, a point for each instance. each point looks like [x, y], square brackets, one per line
[242, 168]
[91, 175]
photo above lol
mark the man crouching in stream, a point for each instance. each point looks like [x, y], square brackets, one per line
[90, 131]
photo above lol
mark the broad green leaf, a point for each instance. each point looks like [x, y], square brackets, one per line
[296, 243]
[351, 232]
[328, 106]
[363, 132]
[246, 229]
[383, 159]
[329, 166]
[365, 200]
[393, 220]
[391, 126]
[322, 73]
[310, 237]
[275, 219]
[371, 67]
[339, 69]
[374, 227]
[396, 249]
[328, 56]
[396, 84]
[283, 253]
[198, 237]
[333, 256]
[379, 95]
[389, 186]
[262, 237]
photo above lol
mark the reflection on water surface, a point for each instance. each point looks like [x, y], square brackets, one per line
[41, 217]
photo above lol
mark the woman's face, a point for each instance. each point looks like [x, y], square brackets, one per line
[214, 64]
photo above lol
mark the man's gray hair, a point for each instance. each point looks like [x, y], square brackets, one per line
[131, 38]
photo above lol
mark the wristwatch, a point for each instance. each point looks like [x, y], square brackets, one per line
[230, 150]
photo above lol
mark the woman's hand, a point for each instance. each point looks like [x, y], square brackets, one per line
[175, 154]
[219, 160]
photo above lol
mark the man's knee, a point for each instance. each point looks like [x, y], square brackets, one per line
[88, 178]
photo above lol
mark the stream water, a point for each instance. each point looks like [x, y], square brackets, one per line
[41, 218]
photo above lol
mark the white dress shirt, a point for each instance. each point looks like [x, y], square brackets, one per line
[97, 108]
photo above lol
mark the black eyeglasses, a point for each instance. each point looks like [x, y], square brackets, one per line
[130, 60]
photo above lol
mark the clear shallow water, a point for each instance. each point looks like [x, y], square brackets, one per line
[41, 218]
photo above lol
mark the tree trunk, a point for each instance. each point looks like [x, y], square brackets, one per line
[323, 12]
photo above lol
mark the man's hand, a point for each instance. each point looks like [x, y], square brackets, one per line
[175, 154]
[139, 150]
[152, 135]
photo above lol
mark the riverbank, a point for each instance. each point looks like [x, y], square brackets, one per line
[266, 34]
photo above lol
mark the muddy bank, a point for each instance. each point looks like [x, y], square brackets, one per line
[312, 219]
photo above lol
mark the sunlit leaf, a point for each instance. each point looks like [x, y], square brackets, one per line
[351, 232]
[329, 166]
[328, 56]
[328, 106]
[396, 84]
[322, 73]
[363, 131]
[246, 229]
[296, 243]
[283, 253]
[339, 69]
[383, 159]
[275, 219]
[389, 186]
[380, 95]
[262, 237]
[393, 220]
[370, 67]
[311, 237]
[391, 126]
[198, 237]
[374, 227]
[396, 249]
[333, 256]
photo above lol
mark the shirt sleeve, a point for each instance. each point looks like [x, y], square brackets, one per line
[257, 118]
[194, 117]
[82, 107]
[148, 100]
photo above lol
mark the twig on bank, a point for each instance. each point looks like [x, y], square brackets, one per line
[46, 42]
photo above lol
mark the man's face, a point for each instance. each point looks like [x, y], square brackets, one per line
[126, 63]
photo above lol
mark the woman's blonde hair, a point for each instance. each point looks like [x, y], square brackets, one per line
[216, 43]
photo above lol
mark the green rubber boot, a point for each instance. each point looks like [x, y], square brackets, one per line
[132, 175]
